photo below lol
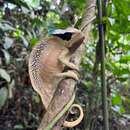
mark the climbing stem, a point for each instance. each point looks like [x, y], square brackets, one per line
[65, 109]
[103, 81]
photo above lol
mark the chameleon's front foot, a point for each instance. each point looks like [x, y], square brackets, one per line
[73, 66]
[69, 74]
[65, 57]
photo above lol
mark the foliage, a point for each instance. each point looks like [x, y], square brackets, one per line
[22, 23]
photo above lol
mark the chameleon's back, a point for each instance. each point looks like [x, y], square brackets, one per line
[43, 65]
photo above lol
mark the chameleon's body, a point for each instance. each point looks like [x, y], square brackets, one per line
[43, 68]
[48, 60]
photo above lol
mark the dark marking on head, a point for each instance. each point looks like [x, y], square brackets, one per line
[66, 36]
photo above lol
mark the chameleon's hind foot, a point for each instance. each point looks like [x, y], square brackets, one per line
[69, 74]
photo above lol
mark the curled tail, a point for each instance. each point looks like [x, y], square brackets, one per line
[71, 124]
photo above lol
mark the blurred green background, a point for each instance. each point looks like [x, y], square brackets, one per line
[24, 22]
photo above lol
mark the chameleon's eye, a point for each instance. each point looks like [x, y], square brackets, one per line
[66, 36]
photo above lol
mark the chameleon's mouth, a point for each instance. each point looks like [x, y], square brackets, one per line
[66, 36]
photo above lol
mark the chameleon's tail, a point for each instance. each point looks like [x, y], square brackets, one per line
[76, 122]
[60, 114]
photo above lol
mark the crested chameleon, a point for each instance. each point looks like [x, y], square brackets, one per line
[48, 61]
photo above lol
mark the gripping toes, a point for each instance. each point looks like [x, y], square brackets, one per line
[73, 75]
[69, 74]
[74, 67]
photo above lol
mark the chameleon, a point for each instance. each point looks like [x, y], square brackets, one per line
[48, 60]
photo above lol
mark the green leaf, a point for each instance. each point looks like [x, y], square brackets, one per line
[33, 41]
[8, 42]
[19, 3]
[3, 96]
[7, 56]
[116, 99]
[62, 24]
[18, 126]
[126, 47]
[126, 116]
[6, 27]
[125, 59]
[10, 89]
[118, 108]
[33, 3]
[5, 75]
[128, 37]
[37, 22]
[120, 71]
[25, 42]
[52, 18]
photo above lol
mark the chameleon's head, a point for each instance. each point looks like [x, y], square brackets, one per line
[72, 37]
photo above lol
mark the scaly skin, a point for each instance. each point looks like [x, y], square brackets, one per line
[45, 69]
[43, 66]
[47, 62]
